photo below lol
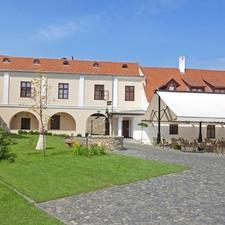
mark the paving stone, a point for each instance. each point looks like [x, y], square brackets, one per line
[193, 197]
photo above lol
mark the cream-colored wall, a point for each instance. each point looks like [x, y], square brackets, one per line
[54, 80]
[137, 103]
[89, 84]
[14, 88]
[1, 87]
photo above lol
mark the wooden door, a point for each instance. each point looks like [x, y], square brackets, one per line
[25, 123]
[126, 128]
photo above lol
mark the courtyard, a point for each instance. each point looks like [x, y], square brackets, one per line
[59, 173]
[195, 196]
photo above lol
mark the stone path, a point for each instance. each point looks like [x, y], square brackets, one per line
[195, 197]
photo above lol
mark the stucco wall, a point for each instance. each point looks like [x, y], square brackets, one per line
[1, 87]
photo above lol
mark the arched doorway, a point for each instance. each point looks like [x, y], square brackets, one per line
[97, 124]
[62, 121]
[24, 121]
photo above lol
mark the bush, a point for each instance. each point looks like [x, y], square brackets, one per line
[79, 135]
[82, 150]
[5, 141]
[22, 132]
[176, 147]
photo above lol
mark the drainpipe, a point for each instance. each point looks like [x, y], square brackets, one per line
[159, 121]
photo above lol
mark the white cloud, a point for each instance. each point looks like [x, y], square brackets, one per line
[60, 31]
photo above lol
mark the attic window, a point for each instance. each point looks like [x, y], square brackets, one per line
[96, 65]
[6, 60]
[65, 63]
[124, 66]
[36, 61]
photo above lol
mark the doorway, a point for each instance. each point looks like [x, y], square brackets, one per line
[25, 123]
[126, 128]
[55, 122]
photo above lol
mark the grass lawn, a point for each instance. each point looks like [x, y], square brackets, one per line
[60, 174]
[14, 210]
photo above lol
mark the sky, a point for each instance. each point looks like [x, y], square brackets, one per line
[151, 32]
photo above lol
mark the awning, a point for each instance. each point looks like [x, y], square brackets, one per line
[195, 107]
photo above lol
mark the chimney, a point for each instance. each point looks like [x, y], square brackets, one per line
[182, 64]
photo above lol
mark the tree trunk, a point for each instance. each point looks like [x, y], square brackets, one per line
[41, 142]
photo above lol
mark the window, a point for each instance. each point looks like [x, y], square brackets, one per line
[129, 93]
[96, 65]
[55, 122]
[219, 90]
[25, 89]
[124, 66]
[63, 90]
[173, 129]
[171, 87]
[65, 63]
[36, 62]
[99, 92]
[6, 60]
[197, 89]
[211, 132]
[25, 123]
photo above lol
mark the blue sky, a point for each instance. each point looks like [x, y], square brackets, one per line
[151, 32]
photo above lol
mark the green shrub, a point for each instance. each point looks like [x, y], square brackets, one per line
[79, 135]
[176, 147]
[81, 150]
[5, 141]
[22, 132]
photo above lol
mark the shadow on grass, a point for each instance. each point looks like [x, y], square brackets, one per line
[18, 136]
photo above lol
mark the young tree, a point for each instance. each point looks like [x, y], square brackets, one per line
[142, 125]
[39, 95]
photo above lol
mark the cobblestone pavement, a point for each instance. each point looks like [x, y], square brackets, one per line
[195, 197]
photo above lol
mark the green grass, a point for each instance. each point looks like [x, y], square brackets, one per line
[14, 210]
[60, 174]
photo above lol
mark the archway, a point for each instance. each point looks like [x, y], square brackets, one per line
[97, 124]
[62, 121]
[24, 121]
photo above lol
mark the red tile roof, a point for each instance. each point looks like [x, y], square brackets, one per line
[74, 66]
[157, 77]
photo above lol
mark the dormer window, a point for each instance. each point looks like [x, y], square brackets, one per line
[36, 62]
[65, 63]
[124, 66]
[96, 65]
[171, 87]
[6, 60]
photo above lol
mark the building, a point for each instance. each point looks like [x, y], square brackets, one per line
[184, 80]
[99, 97]
[80, 96]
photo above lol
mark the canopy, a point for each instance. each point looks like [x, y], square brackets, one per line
[195, 107]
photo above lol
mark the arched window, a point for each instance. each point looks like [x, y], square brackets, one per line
[6, 60]
[124, 66]
[36, 62]
[95, 65]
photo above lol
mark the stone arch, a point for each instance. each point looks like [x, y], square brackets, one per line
[97, 124]
[62, 121]
[24, 121]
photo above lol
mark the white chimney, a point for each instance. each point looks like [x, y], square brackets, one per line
[182, 64]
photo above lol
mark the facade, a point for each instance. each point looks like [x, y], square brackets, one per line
[83, 96]
[182, 80]
[99, 97]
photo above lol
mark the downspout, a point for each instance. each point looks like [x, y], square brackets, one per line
[159, 121]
